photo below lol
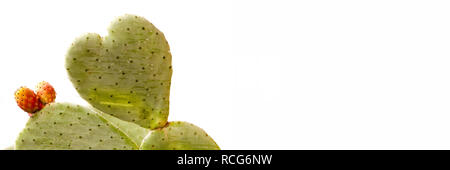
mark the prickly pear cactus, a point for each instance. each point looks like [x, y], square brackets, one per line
[126, 73]
[126, 77]
[179, 136]
[61, 126]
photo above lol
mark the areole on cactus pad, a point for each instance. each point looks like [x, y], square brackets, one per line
[127, 73]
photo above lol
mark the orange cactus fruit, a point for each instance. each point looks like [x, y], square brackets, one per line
[27, 100]
[46, 92]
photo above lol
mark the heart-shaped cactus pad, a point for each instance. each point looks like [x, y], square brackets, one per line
[126, 73]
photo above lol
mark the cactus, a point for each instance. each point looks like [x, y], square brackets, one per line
[179, 136]
[127, 73]
[63, 126]
[126, 77]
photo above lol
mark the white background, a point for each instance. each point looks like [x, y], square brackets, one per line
[263, 74]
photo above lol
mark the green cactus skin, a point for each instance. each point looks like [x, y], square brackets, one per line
[64, 126]
[127, 73]
[179, 136]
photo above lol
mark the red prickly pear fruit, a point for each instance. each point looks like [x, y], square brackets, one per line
[46, 92]
[41, 106]
[27, 100]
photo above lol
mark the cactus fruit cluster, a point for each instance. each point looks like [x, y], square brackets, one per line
[125, 77]
[31, 102]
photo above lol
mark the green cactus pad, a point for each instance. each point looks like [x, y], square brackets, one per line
[63, 126]
[179, 136]
[126, 73]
